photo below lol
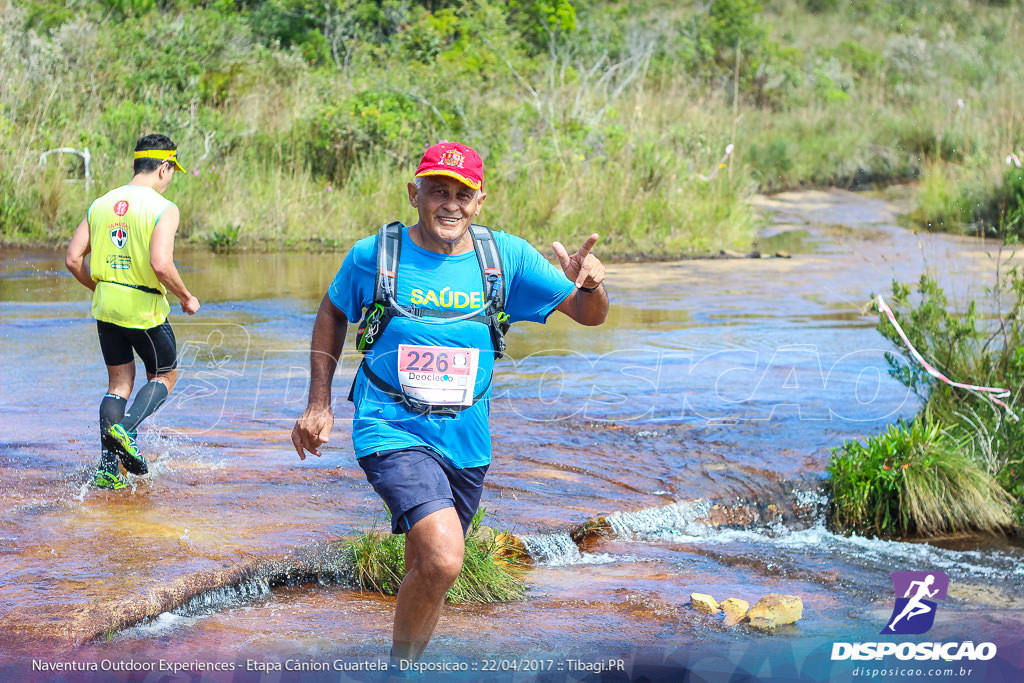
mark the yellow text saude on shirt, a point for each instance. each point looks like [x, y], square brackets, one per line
[447, 298]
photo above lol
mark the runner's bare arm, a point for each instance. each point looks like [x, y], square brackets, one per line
[77, 251]
[313, 428]
[587, 271]
[161, 258]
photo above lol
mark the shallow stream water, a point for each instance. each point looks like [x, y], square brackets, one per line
[699, 421]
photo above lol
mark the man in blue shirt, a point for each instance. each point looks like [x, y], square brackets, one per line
[422, 395]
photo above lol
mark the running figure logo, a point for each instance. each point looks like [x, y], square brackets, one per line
[914, 613]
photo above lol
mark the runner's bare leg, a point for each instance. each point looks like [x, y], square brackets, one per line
[434, 550]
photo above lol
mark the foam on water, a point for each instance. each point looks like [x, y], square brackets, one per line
[680, 517]
[164, 623]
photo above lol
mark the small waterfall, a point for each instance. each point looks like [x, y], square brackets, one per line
[556, 550]
[677, 518]
[225, 596]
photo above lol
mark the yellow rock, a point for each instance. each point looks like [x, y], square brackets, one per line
[762, 624]
[735, 610]
[778, 609]
[704, 602]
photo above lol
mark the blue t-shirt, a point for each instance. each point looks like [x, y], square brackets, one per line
[435, 281]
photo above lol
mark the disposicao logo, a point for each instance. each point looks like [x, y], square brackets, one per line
[914, 612]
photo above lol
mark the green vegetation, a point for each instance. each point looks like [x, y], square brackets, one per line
[300, 121]
[960, 465]
[913, 480]
[492, 570]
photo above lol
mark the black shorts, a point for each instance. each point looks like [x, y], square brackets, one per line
[415, 482]
[155, 346]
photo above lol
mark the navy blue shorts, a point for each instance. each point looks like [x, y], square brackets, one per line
[415, 482]
[155, 346]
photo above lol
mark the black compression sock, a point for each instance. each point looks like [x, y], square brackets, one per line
[149, 398]
[111, 412]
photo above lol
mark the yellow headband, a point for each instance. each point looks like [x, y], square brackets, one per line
[161, 154]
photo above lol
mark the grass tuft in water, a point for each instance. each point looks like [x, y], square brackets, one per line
[913, 479]
[492, 570]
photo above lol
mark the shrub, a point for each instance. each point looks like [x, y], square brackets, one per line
[16, 215]
[542, 23]
[978, 345]
[913, 479]
[1010, 199]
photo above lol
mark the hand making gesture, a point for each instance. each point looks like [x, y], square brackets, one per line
[583, 268]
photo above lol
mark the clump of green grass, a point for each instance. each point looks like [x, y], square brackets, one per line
[914, 479]
[225, 239]
[492, 570]
[378, 560]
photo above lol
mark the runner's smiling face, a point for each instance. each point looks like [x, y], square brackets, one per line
[446, 208]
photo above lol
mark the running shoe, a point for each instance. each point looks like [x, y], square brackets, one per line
[120, 441]
[108, 480]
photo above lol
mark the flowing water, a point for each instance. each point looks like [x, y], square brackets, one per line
[698, 421]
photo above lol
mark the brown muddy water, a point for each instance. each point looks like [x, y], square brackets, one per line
[714, 383]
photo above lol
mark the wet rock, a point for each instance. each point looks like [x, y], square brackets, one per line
[729, 253]
[504, 544]
[704, 603]
[320, 563]
[777, 608]
[762, 624]
[735, 610]
[739, 515]
[590, 531]
[783, 254]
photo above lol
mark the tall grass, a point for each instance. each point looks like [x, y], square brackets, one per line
[914, 480]
[492, 570]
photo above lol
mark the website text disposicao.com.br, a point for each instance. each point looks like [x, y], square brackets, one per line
[912, 672]
[959, 659]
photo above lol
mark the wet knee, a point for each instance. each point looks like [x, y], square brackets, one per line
[441, 567]
[168, 379]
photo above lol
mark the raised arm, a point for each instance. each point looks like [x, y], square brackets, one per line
[314, 427]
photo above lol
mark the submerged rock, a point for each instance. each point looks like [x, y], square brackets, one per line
[704, 602]
[776, 608]
[735, 610]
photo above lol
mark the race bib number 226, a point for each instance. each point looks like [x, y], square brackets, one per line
[441, 375]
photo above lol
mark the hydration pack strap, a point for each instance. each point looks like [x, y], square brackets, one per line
[389, 249]
[494, 284]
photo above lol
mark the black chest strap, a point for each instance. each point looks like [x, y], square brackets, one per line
[410, 403]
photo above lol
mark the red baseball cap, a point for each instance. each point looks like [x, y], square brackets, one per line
[453, 160]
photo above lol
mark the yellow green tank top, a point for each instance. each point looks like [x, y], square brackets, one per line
[121, 224]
